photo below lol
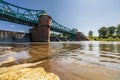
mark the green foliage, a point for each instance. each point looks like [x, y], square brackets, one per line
[108, 39]
[90, 34]
[59, 35]
[111, 31]
[53, 34]
[118, 31]
[74, 30]
[104, 39]
[102, 32]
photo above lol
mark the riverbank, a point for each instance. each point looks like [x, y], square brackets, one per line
[103, 39]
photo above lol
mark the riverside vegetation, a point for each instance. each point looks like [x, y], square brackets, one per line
[110, 33]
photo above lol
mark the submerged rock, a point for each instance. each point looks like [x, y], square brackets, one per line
[23, 73]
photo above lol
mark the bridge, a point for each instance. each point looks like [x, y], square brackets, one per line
[29, 17]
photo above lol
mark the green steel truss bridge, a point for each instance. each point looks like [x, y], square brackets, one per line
[29, 17]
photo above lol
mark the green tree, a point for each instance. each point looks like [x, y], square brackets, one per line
[53, 34]
[90, 34]
[111, 31]
[118, 31]
[60, 35]
[102, 32]
[74, 30]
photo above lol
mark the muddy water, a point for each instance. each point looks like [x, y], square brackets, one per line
[69, 60]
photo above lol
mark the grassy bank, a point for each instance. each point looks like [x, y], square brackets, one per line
[103, 39]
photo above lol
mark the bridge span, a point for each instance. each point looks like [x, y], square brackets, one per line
[38, 19]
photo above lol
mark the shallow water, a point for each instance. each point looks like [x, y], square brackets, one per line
[85, 60]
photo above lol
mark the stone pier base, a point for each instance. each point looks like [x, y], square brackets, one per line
[80, 37]
[40, 34]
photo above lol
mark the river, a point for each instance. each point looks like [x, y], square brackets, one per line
[85, 60]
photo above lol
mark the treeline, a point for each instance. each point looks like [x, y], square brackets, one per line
[111, 31]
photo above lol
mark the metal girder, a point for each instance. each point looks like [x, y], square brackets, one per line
[19, 12]
[59, 28]
[28, 17]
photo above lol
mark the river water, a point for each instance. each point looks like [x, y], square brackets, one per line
[85, 60]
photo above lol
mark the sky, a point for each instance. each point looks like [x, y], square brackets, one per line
[85, 15]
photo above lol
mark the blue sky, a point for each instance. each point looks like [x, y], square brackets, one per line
[84, 15]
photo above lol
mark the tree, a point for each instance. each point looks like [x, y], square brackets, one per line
[53, 34]
[60, 35]
[118, 31]
[111, 31]
[102, 32]
[74, 30]
[90, 34]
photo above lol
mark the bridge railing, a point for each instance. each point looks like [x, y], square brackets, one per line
[19, 12]
[60, 28]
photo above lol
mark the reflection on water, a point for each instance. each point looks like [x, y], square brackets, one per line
[79, 60]
[16, 56]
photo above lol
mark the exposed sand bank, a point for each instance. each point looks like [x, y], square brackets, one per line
[24, 72]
